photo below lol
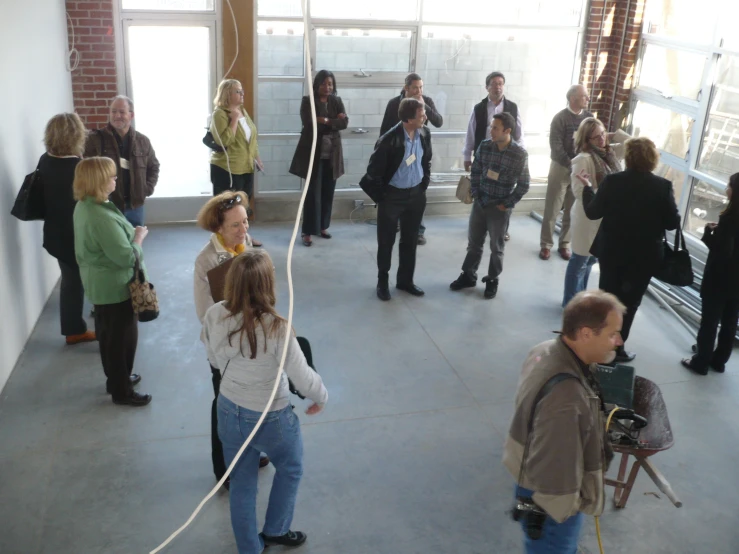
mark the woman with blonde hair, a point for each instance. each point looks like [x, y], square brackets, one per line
[597, 157]
[234, 131]
[225, 217]
[106, 248]
[65, 142]
[244, 337]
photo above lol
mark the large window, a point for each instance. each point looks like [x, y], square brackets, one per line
[372, 46]
[687, 101]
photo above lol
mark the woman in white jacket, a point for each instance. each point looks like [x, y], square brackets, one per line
[245, 336]
[598, 158]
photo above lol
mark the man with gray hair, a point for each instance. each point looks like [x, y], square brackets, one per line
[559, 194]
[138, 167]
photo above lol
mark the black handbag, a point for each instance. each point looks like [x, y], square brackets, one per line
[29, 204]
[211, 143]
[676, 267]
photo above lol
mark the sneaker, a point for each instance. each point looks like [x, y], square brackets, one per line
[491, 287]
[463, 281]
[421, 240]
[291, 538]
[89, 336]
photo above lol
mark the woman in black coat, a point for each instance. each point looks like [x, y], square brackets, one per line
[637, 208]
[719, 289]
[65, 142]
[329, 163]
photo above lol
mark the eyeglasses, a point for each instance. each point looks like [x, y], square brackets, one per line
[239, 92]
[228, 204]
[600, 135]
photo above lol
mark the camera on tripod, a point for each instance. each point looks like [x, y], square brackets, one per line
[530, 515]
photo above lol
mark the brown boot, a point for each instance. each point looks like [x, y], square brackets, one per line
[84, 337]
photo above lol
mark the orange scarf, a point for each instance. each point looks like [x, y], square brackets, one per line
[234, 252]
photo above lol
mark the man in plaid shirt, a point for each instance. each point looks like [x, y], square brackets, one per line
[499, 178]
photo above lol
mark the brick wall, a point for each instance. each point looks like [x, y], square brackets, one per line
[94, 82]
[610, 22]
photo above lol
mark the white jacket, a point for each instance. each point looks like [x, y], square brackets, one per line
[582, 229]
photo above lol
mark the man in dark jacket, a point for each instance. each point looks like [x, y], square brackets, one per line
[637, 208]
[138, 167]
[397, 177]
[413, 89]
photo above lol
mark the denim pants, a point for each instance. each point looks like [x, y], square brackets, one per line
[279, 437]
[135, 216]
[557, 538]
[577, 275]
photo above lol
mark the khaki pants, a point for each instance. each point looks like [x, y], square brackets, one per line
[559, 197]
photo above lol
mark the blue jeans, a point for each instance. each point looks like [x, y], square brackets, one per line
[135, 216]
[557, 538]
[279, 437]
[577, 275]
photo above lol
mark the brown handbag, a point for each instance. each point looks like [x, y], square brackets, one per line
[143, 295]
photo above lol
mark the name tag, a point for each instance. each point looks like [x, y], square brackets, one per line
[410, 159]
[493, 175]
[124, 163]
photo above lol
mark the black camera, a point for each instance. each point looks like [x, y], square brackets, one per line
[531, 516]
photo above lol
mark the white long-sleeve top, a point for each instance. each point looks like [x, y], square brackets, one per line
[248, 382]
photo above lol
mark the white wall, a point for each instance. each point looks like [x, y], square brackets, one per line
[35, 86]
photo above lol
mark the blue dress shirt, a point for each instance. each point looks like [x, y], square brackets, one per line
[408, 176]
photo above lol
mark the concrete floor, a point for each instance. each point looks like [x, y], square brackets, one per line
[406, 457]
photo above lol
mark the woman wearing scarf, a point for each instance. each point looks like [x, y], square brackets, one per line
[597, 158]
[224, 216]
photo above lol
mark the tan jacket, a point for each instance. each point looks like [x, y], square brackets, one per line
[566, 459]
[213, 254]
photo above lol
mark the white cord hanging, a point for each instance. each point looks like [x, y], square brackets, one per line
[288, 327]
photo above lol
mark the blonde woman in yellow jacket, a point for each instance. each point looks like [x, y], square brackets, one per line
[235, 132]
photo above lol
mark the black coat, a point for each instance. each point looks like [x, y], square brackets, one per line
[387, 157]
[721, 274]
[391, 113]
[637, 207]
[301, 158]
[57, 176]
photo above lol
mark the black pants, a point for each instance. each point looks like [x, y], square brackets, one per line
[628, 283]
[117, 331]
[320, 199]
[222, 181]
[716, 309]
[406, 205]
[216, 448]
[71, 300]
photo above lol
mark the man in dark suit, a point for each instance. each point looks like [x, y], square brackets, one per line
[413, 89]
[637, 208]
[397, 176]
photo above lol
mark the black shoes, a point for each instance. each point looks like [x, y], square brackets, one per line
[383, 292]
[410, 289]
[135, 380]
[688, 364]
[291, 538]
[263, 461]
[491, 287]
[463, 281]
[622, 356]
[136, 399]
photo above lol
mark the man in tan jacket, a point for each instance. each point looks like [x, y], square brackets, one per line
[556, 448]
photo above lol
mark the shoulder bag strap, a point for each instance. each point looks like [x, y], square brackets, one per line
[545, 390]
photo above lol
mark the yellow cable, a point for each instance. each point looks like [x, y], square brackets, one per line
[597, 519]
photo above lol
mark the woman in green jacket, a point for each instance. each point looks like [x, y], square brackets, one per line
[106, 246]
[232, 128]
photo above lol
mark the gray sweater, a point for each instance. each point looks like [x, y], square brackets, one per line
[248, 382]
[562, 135]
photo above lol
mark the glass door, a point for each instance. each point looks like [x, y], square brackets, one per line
[171, 77]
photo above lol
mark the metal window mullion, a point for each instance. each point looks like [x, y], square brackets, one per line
[704, 106]
[681, 106]
[677, 44]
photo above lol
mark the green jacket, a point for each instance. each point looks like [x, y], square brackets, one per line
[241, 154]
[104, 248]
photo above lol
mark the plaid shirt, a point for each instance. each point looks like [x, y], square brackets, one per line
[512, 167]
